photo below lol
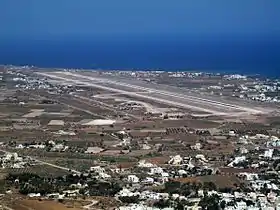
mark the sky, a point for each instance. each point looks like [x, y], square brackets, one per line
[92, 18]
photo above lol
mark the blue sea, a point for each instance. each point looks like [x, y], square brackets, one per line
[246, 56]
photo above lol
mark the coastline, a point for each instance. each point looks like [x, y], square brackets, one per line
[242, 57]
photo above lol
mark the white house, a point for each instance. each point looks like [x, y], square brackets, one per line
[133, 179]
[144, 164]
[176, 160]
[156, 170]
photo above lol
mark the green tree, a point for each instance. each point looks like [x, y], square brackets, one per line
[223, 205]
[210, 202]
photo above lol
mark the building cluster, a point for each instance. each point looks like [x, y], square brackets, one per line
[258, 187]
[251, 177]
[267, 91]
[258, 91]
[13, 160]
[245, 179]
[25, 82]
[235, 77]
[52, 146]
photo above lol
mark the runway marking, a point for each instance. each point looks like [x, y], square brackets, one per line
[195, 99]
[164, 93]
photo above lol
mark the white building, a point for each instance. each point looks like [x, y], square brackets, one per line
[237, 160]
[133, 179]
[176, 160]
[144, 164]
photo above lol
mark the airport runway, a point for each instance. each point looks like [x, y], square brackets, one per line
[172, 98]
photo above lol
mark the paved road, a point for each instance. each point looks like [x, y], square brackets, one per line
[134, 94]
[55, 166]
[165, 97]
[150, 89]
[90, 206]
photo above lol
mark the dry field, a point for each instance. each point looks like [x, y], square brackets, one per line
[220, 181]
[41, 170]
[40, 205]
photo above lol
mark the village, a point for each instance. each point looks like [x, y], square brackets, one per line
[63, 143]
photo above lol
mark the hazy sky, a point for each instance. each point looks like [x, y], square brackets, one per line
[43, 18]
